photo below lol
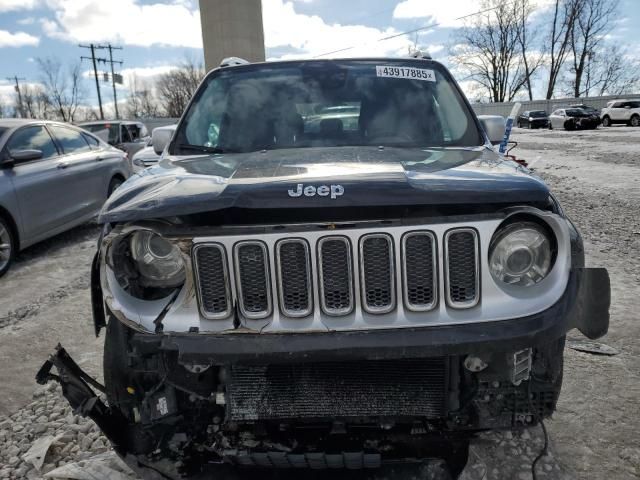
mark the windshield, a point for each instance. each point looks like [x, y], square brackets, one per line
[574, 112]
[538, 114]
[325, 104]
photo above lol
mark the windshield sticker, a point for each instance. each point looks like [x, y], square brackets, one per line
[405, 72]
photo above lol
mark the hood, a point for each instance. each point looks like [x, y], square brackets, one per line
[322, 178]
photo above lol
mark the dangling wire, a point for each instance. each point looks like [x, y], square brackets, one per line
[538, 418]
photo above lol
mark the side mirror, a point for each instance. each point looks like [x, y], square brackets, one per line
[160, 139]
[25, 155]
[494, 126]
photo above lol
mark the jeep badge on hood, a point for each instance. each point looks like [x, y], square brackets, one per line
[311, 191]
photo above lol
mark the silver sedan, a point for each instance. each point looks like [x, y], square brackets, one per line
[53, 177]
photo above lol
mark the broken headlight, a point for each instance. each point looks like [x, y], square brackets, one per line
[521, 254]
[146, 264]
[158, 260]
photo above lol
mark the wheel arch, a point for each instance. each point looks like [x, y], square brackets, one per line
[6, 215]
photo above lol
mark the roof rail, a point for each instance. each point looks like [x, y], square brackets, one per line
[419, 54]
[232, 61]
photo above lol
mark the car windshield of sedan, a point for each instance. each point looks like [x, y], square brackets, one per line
[324, 104]
[575, 112]
[538, 114]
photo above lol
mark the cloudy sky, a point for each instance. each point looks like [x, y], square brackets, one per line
[157, 34]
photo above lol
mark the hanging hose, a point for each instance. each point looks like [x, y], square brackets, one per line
[545, 448]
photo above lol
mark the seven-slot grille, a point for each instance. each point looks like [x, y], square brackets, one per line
[337, 260]
[335, 272]
[377, 273]
[461, 262]
[294, 277]
[420, 271]
[252, 276]
[213, 280]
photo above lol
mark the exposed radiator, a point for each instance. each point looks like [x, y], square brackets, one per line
[402, 387]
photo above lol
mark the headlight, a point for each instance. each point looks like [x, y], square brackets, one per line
[520, 254]
[531, 119]
[157, 260]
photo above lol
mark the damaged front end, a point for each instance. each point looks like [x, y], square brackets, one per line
[189, 393]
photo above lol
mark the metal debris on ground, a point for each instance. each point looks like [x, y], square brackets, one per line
[592, 347]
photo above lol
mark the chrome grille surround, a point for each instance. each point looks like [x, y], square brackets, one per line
[295, 301]
[253, 279]
[377, 275]
[336, 294]
[214, 294]
[499, 302]
[414, 287]
[462, 269]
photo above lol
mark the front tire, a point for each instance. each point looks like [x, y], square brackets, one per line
[113, 185]
[606, 122]
[7, 246]
[635, 121]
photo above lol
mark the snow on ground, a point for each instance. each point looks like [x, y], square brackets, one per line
[594, 434]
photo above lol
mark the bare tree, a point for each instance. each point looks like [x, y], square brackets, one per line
[141, 102]
[592, 24]
[176, 87]
[565, 14]
[489, 49]
[35, 102]
[610, 71]
[63, 89]
[531, 61]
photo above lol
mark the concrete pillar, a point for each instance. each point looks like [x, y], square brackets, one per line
[231, 28]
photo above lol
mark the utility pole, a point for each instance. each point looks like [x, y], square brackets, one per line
[17, 87]
[113, 75]
[95, 73]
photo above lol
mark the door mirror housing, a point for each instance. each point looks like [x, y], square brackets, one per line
[160, 139]
[25, 155]
[494, 126]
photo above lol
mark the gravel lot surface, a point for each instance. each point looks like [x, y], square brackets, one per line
[595, 433]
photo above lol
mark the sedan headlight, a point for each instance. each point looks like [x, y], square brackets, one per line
[520, 254]
[138, 162]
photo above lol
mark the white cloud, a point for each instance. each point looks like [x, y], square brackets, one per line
[125, 21]
[26, 21]
[446, 14]
[9, 5]
[18, 39]
[310, 35]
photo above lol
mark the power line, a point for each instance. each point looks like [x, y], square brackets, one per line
[115, 78]
[415, 30]
[95, 72]
[17, 87]
[113, 75]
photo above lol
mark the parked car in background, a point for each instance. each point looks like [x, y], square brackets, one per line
[53, 176]
[148, 156]
[533, 119]
[129, 136]
[621, 111]
[587, 109]
[572, 119]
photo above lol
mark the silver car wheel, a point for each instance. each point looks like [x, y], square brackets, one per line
[5, 246]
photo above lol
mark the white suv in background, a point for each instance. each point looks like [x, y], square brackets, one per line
[621, 111]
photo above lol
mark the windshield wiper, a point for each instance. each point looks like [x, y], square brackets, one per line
[203, 148]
